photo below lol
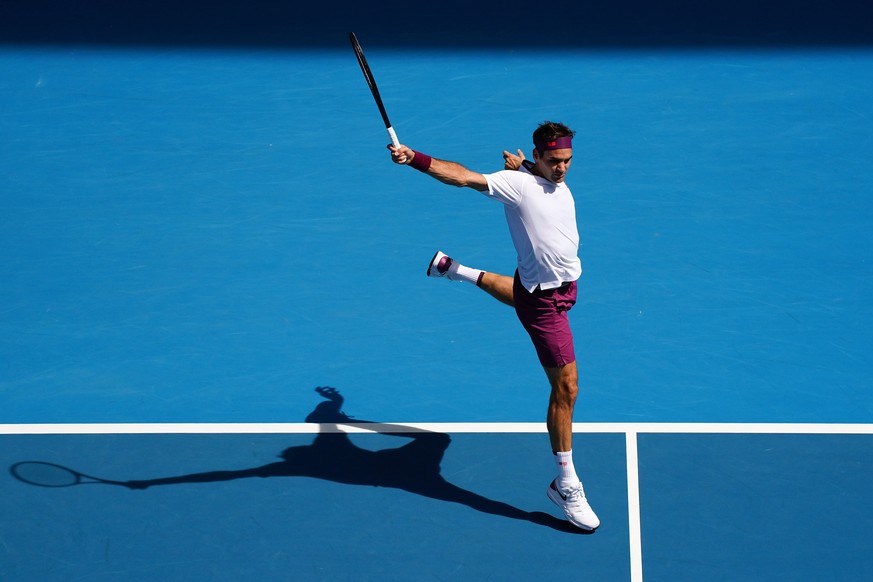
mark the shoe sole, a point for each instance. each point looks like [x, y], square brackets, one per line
[431, 265]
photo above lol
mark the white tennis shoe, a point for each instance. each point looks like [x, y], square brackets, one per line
[575, 506]
[439, 265]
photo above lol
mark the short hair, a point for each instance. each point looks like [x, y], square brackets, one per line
[550, 131]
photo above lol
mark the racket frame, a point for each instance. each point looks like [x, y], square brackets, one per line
[77, 477]
[374, 89]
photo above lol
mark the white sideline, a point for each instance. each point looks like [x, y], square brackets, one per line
[633, 507]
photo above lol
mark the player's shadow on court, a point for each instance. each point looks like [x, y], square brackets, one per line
[412, 467]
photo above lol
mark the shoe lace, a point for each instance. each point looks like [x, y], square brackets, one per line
[576, 495]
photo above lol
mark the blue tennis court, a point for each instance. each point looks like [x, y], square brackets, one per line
[200, 225]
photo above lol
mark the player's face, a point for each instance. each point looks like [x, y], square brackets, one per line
[553, 164]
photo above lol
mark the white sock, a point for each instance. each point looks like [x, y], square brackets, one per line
[458, 272]
[567, 477]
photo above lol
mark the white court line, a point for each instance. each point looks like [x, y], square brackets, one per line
[630, 430]
[447, 427]
[633, 507]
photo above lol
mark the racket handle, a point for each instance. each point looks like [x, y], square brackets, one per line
[393, 136]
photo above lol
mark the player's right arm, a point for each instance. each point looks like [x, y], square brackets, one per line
[446, 172]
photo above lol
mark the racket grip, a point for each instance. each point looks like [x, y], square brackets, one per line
[393, 137]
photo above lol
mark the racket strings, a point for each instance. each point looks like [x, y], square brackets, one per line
[45, 474]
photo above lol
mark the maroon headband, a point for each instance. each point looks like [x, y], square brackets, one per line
[555, 144]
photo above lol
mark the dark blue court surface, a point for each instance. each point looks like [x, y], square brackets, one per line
[476, 519]
[199, 223]
[333, 506]
[756, 507]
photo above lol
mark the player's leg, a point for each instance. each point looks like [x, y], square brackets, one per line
[496, 285]
[566, 490]
[544, 316]
[564, 381]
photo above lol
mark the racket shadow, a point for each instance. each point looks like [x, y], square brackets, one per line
[413, 467]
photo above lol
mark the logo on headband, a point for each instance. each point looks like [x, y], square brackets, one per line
[555, 144]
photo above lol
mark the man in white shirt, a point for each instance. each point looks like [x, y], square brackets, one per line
[541, 216]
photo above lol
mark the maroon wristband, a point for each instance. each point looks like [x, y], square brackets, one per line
[420, 161]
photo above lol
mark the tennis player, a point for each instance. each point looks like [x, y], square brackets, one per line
[541, 216]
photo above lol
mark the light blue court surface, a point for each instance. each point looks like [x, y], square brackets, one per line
[205, 234]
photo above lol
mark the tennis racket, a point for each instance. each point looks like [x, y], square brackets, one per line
[51, 475]
[368, 75]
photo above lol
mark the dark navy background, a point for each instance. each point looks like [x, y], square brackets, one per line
[450, 23]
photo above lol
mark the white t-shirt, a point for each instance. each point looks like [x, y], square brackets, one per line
[542, 223]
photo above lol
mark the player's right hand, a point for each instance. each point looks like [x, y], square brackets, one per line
[401, 154]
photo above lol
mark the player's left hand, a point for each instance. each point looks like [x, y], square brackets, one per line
[512, 161]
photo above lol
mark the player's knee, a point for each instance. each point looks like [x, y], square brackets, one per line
[564, 395]
[566, 389]
[565, 384]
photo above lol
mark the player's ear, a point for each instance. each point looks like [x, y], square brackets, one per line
[536, 154]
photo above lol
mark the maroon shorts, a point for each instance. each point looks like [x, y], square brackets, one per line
[544, 315]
